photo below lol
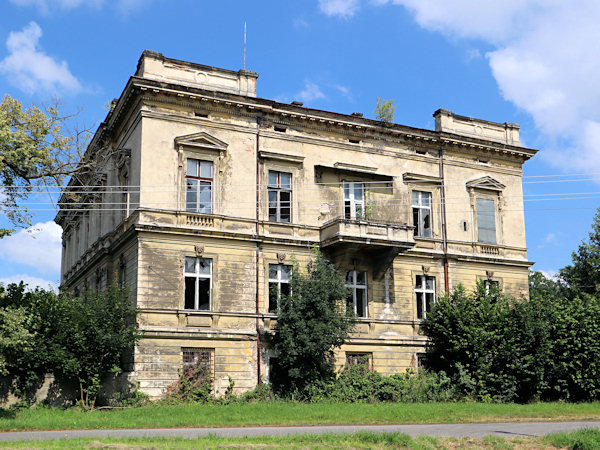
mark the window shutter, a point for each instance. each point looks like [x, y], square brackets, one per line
[486, 220]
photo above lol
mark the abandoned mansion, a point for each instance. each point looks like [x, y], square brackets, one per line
[206, 193]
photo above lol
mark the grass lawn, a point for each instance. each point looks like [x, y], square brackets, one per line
[584, 439]
[291, 413]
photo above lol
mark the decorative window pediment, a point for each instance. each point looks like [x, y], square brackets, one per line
[200, 141]
[487, 183]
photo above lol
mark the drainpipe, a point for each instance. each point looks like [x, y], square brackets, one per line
[444, 233]
[258, 344]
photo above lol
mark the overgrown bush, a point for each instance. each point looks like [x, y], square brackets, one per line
[195, 384]
[82, 339]
[356, 383]
[516, 350]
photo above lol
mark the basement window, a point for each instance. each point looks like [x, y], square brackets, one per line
[198, 283]
[354, 141]
[200, 114]
[197, 358]
[280, 129]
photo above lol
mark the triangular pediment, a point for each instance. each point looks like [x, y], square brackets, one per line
[486, 183]
[201, 140]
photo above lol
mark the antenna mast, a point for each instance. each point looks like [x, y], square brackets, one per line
[244, 45]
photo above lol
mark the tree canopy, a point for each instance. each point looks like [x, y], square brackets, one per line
[37, 148]
[311, 324]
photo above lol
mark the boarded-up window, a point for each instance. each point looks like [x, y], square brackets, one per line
[486, 220]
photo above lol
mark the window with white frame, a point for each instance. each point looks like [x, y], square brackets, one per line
[280, 196]
[356, 282]
[279, 283]
[198, 283]
[425, 293]
[491, 285]
[486, 220]
[421, 206]
[199, 185]
[354, 200]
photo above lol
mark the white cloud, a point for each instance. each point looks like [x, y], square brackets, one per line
[30, 69]
[39, 246]
[544, 59]
[551, 274]
[342, 8]
[31, 282]
[345, 91]
[310, 92]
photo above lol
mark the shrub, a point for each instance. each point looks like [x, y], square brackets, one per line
[355, 383]
[195, 384]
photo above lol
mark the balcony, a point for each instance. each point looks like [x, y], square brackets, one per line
[371, 234]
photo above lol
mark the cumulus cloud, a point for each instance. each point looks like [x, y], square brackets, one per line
[39, 246]
[31, 282]
[341, 8]
[310, 92]
[543, 57]
[30, 69]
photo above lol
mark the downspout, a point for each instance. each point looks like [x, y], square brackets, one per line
[444, 233]
[258, 344]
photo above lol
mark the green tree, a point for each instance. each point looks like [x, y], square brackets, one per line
[583, 275]
[15, 338]
[81, 340]
[492, 347]
[93, 338]
[384, 111]
[311, 324]
[36, 149]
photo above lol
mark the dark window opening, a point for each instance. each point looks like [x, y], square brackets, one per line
[280, 129]
[425, 293]
[353, 359]
[421, 205]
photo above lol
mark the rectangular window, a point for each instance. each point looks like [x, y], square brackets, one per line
[353, 359]
[425, 292]
[491, 285]
[354, 200]
[486, 220]
[199, 181]
[280, 196]
[198, 283]
[421, 206]
[194, 357]
[279, 283]
[356, 281]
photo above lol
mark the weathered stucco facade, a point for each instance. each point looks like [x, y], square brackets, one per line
[207, 191]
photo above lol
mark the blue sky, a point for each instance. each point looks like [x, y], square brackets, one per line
[532, 62]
